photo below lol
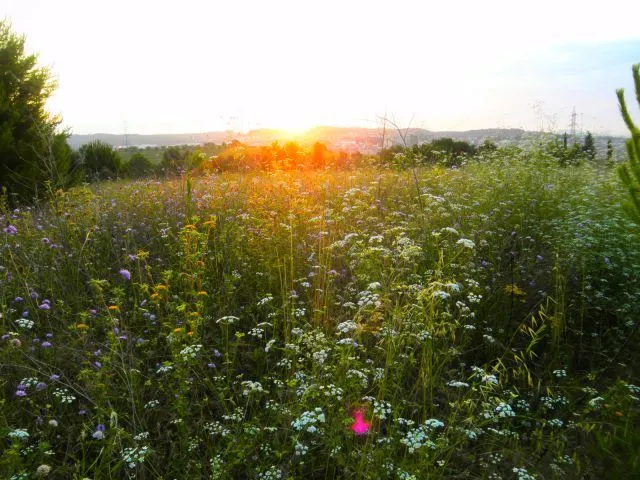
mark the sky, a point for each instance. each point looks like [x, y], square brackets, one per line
[193, 66]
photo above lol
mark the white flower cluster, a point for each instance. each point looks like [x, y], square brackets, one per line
[309, 420]
[18, 434]
[134, 456]
[346, 327]
[63, 395]
[273, 473]
[418, 437]
[250, 387]
[504, 410]
[190, 352]
[25, 323]
[332, 391]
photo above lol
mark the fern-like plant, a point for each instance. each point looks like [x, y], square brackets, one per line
[630, 172]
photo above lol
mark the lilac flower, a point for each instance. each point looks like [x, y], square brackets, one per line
[25, 314]
[126, 274]
[54, 377]
[11, 230]
[82, 411]
[46, 345]
[18, 299]
[33, 294]
[49, 335]
[40, 386]
[46, 241]
[21, 393]
[45, 306]
[132, 258]
[97, 365]
[99, 432]
[211, 365]
[539, 258]
[5, 337]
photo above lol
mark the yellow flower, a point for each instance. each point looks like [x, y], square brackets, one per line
[178, 330]
[513, 289]
[114, 308]
[189, 227]
[82, 326]
[202, 293]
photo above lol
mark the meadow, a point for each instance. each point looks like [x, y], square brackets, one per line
[478, 322]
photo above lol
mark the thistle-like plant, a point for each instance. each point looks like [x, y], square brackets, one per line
[630, 172]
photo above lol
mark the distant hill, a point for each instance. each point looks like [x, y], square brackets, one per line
[365, 140]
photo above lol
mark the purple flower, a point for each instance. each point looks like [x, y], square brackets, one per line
[99, 432]
[45, 306]
[5, 337]
[49, 335]
[18, 299]
[132, 258]
[40, 386]
[82, 411]
[46, 241]
[97, 364]
[97, 353]
[11, 230]
[21, 393]
[25, 314]
[46, 344]
[54, 377]
[126, 274]
[539, 258]
[211, 365]
[33, 294]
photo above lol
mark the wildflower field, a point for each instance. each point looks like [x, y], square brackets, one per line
[478, 322]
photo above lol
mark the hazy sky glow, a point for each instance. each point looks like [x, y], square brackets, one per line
[193, 66]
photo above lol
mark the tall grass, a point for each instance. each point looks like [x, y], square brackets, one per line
[233, 326]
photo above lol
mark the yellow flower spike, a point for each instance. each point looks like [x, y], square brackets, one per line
[178, 330]
[155, 296]
[189, 227]
[190, 334]
[114, 308]
[82, 326]
[202, 293]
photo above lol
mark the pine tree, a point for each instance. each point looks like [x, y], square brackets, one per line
[589, 147]
[33, 150]
[630, 172]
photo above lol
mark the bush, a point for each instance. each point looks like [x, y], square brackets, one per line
[99, 160]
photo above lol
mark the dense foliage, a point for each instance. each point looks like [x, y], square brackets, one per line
[33, 150]
[478, 322]
[630, 173]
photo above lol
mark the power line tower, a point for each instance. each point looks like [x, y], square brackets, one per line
[574, 116]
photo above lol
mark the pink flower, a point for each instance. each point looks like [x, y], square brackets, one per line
[360, 426]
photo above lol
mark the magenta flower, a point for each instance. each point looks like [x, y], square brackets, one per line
[360, 426]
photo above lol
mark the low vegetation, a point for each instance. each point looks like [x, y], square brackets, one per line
[480, 323]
